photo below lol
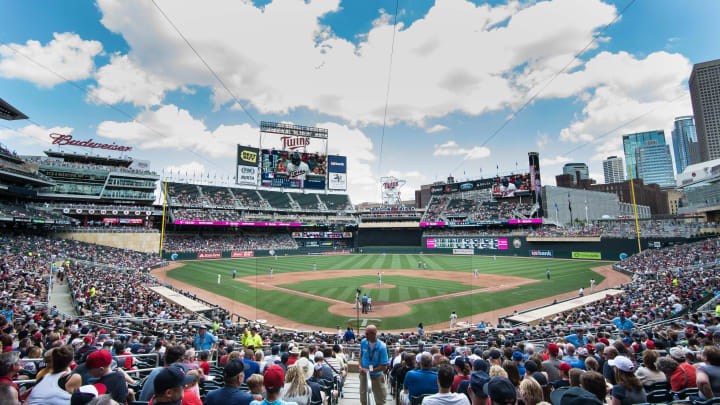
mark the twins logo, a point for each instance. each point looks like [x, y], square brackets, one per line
[297, 173]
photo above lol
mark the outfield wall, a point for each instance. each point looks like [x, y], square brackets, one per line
[389, 237]
[602, 249]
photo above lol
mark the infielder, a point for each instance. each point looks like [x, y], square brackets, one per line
[419, 264]
[592, 285]
[218, 279]
[234, 273]
[476, 273]
[271, 273]
[424, 266]
[314, 267]
[379, 278]
[453, 319]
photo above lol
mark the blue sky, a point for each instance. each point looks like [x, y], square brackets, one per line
[460, 69]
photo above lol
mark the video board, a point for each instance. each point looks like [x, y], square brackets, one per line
[293, 169]
[516, 185]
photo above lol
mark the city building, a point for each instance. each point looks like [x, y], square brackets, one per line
[700, 184]
[631, 142]
[654, 165]
[579, 171]
[561, 204]
[685, 143]
[645, 194]
[613, 169]
[704, 86]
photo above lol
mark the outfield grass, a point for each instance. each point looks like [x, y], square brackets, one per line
[406, 288]
[566, 275]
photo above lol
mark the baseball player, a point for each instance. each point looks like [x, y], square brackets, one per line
[218, 279]
[592, 285]
[234, 273]
[476, 273]
[271, 273]
[314, 267]
[297, 169]
[453, 319]
[547, 273]
[379, 278]
[424, 266]
[419, 264]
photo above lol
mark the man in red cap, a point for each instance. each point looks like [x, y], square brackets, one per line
[552, 364]
[98, 365]
[273, 381]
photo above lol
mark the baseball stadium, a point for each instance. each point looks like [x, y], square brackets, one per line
[130, 280]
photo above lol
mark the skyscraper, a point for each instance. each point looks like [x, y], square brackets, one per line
[574, 168]
[704, 86]
[654, 164]
[633, 141]
[685, 144]
[613, 170]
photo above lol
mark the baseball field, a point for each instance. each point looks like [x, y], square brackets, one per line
[403, 292]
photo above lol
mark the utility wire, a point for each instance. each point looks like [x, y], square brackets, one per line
[212, 71]
[554, 76]
[387, 91]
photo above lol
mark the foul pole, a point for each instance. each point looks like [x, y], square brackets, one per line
[637, 225]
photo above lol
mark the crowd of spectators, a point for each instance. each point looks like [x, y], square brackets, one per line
[623, 229]
[184, 194]
[182, 214]
[43, 161]
[223, 242]
[11, 210]
[466, 207]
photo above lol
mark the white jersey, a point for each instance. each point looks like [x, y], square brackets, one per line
[298, 172]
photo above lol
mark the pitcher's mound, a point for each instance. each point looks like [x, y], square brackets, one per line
[378, 286]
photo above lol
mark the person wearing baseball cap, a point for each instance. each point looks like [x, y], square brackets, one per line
[574, 396]
[98, 365]
[500, 391]
[629, 389]
[273, 381]
[233, 373]
[552, 364]
[169, 386]
[518, 360]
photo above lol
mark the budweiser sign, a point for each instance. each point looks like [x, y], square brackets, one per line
[67, 140]
[294, 142]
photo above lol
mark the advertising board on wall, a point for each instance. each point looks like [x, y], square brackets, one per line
[247, 165]
[463, 251]
[337, 173]
[587, 255]
[541, 253]
[242, 254]
[211, 255]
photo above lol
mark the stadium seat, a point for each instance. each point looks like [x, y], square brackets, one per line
[417, 400]
[659, 385]
[659, 396]
[711, 401]
[687, 392]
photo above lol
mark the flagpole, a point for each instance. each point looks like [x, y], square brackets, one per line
[637, 225]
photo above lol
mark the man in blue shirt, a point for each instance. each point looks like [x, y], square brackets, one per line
[251, 366]
[230, 393]
[349, 335]
[204, 340]
[422, 381]
[623, 323]
[374, 361]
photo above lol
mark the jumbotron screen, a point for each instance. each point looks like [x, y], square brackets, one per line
[517, 185]
[292, 169]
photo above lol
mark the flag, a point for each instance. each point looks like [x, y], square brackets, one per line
[556, 207]
[569, 203]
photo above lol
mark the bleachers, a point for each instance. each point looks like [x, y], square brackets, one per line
[336, 202]
[184, 194]
[307, 201]
[218, 196]
[248, 198]
[276, 199]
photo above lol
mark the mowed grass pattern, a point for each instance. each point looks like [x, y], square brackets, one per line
[566, 276]
[406, 288]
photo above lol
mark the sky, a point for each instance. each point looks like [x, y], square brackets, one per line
[473, 86]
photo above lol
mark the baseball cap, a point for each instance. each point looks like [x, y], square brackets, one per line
[88, 339]
[530, 367]
[202, 327]
[517, 355]
[716, 334]
[677, 353]
[622, 363]
[98, 359]
[565, 366]
[495, 354]
[318, 366]
[627, 340]
[233, 368]
[478, 380]
[540, 378]
[274, 377]
[590, 347]
[500, 389]
[460, 362]
[604, 341]
[481, 365]
[171, 377]
[574, 396]
[650, 344]
[448, 350]
[581, 351]
[87, 393]
[553, 349]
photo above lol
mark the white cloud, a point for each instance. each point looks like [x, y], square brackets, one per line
[67, 54]
[32, 134]
[436, 128]
[542, 139]
[432, 75]
[123, 81]
[451, 148]
[191, 168]
[557, 160]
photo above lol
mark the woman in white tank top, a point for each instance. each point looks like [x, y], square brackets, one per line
[56, 388]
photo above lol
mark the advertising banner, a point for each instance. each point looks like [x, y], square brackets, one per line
[432, 223]
[587, 255]
[337, 164]
[242, 254]
[247, 156]
[247, 165]
[232, 223]
[110, 220]
[526, 221]
[212, 255]
[541, 253]
[338, 252]
[247, 175]
[463, 251]
[337, 181]
[468, 243]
